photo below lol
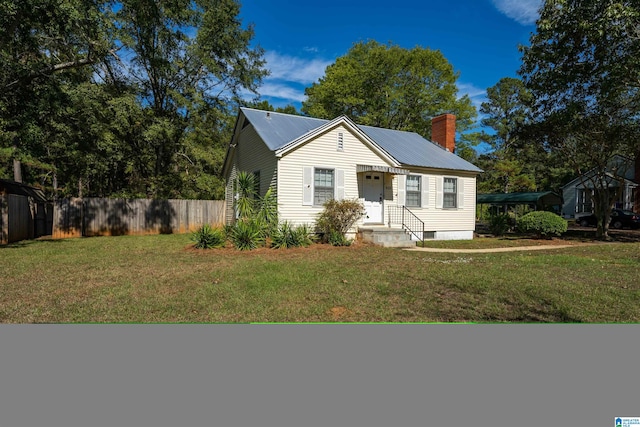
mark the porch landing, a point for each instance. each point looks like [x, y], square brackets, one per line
[386, 236]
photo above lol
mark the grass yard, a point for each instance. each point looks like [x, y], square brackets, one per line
[162, 279]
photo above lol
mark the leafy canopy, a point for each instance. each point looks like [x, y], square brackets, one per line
[390, 87]
[583, 70]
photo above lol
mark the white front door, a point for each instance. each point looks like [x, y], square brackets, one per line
[373, 193]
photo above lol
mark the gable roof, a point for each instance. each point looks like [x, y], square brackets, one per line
[278, 130]
[618, 163]
[20, 189]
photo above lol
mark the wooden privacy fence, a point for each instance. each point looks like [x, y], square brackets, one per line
[115, 217]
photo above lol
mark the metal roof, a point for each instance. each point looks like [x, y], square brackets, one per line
[279, 129]
[20, 189]
[408, 148]
[549, 197]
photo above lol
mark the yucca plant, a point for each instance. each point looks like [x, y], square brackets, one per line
[247, 234]
[336, 238]
[303, 235]
[282, 236]
[267, 214]
[288, 236]
[245, 191]
[207, 237]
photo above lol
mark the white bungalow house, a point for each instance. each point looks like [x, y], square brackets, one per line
[402, 178]
[623, 175]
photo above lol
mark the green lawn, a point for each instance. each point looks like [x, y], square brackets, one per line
[161, 279]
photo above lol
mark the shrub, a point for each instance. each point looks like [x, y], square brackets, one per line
[207, 237]
[543, 224]
[335, 238]
[338, 217]
[287, 236]
[245, 191]
[247, 234]
[499, 224]
[267, 213]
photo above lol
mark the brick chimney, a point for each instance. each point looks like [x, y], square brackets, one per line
[443, 131]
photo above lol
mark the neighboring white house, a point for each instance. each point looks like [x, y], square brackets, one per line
[308, 161]
[622, 175]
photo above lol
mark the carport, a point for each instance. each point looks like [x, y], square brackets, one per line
[539, 201]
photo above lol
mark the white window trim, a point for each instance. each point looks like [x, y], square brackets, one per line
[425, 193]
[420, 186]
[314, 182]
[444, 192]
[308, 184]
[459, 194]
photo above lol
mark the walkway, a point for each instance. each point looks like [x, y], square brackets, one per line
[488, 250]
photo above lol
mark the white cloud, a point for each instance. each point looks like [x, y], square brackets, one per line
[290, 75]
[477, 95]
[282, 91]
[295, 69]
[524, 12]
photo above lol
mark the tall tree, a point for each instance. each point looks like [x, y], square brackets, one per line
[583, 69]
[42, 43]
[126, 98]
[187, 58]
[505, 111]
[515, 163]
[391, 87]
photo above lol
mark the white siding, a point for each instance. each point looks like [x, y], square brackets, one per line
[253, 155]
[250, 155]
[321, 153]
[569, 198]
[433, 215]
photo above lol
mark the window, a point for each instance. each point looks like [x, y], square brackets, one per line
[583, 203]
[413, 191]
[322, 186]
[450, 193]
[340, 142]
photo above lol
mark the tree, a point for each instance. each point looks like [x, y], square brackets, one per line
[583, 70]
[516, 162]
[390, 87]
[190, 60]
[43, 43]
[505, 111]
[266, 106]
[123, 98]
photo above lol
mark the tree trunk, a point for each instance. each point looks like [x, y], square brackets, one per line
[55, 185]
[17, 170]
[17, 166]
[602, 210]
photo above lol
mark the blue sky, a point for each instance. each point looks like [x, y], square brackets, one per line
[479, 38]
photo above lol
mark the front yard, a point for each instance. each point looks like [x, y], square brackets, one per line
[162, 279]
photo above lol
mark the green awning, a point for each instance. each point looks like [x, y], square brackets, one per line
[387, 169]
[546, 197]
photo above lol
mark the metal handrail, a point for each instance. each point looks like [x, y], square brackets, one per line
[408, 220]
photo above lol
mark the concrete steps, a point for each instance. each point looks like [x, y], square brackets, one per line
[387, 237]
